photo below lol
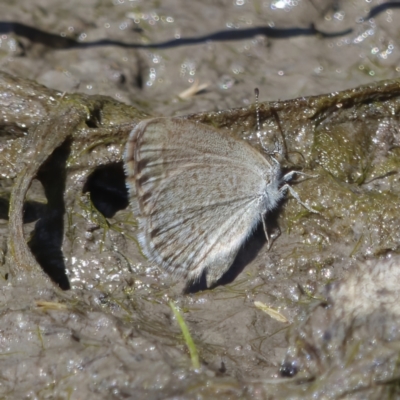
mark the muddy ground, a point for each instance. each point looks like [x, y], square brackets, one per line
[103, 327]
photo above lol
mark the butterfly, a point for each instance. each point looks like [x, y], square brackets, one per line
[200, 194]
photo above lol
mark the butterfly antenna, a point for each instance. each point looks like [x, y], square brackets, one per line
[259, 134]
[257, 94]
[282, 145]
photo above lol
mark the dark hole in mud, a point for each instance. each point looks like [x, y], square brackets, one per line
[33, 210]
[107, 189]
[139, 79]
[289, 369]
[47, 237]
[4, 207]
[246, 254]
[8, 132]
[95, 119]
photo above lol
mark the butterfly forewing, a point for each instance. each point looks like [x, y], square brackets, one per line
[198, 195]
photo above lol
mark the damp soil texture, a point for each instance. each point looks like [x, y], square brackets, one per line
[83, 314]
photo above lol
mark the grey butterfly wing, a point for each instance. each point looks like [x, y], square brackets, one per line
[199, 197]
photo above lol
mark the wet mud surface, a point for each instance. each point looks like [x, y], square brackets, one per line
[97, 322]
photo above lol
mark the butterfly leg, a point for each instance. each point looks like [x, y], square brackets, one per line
[289, 176]
[286, 187]
[265, 230]
[270, 238]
